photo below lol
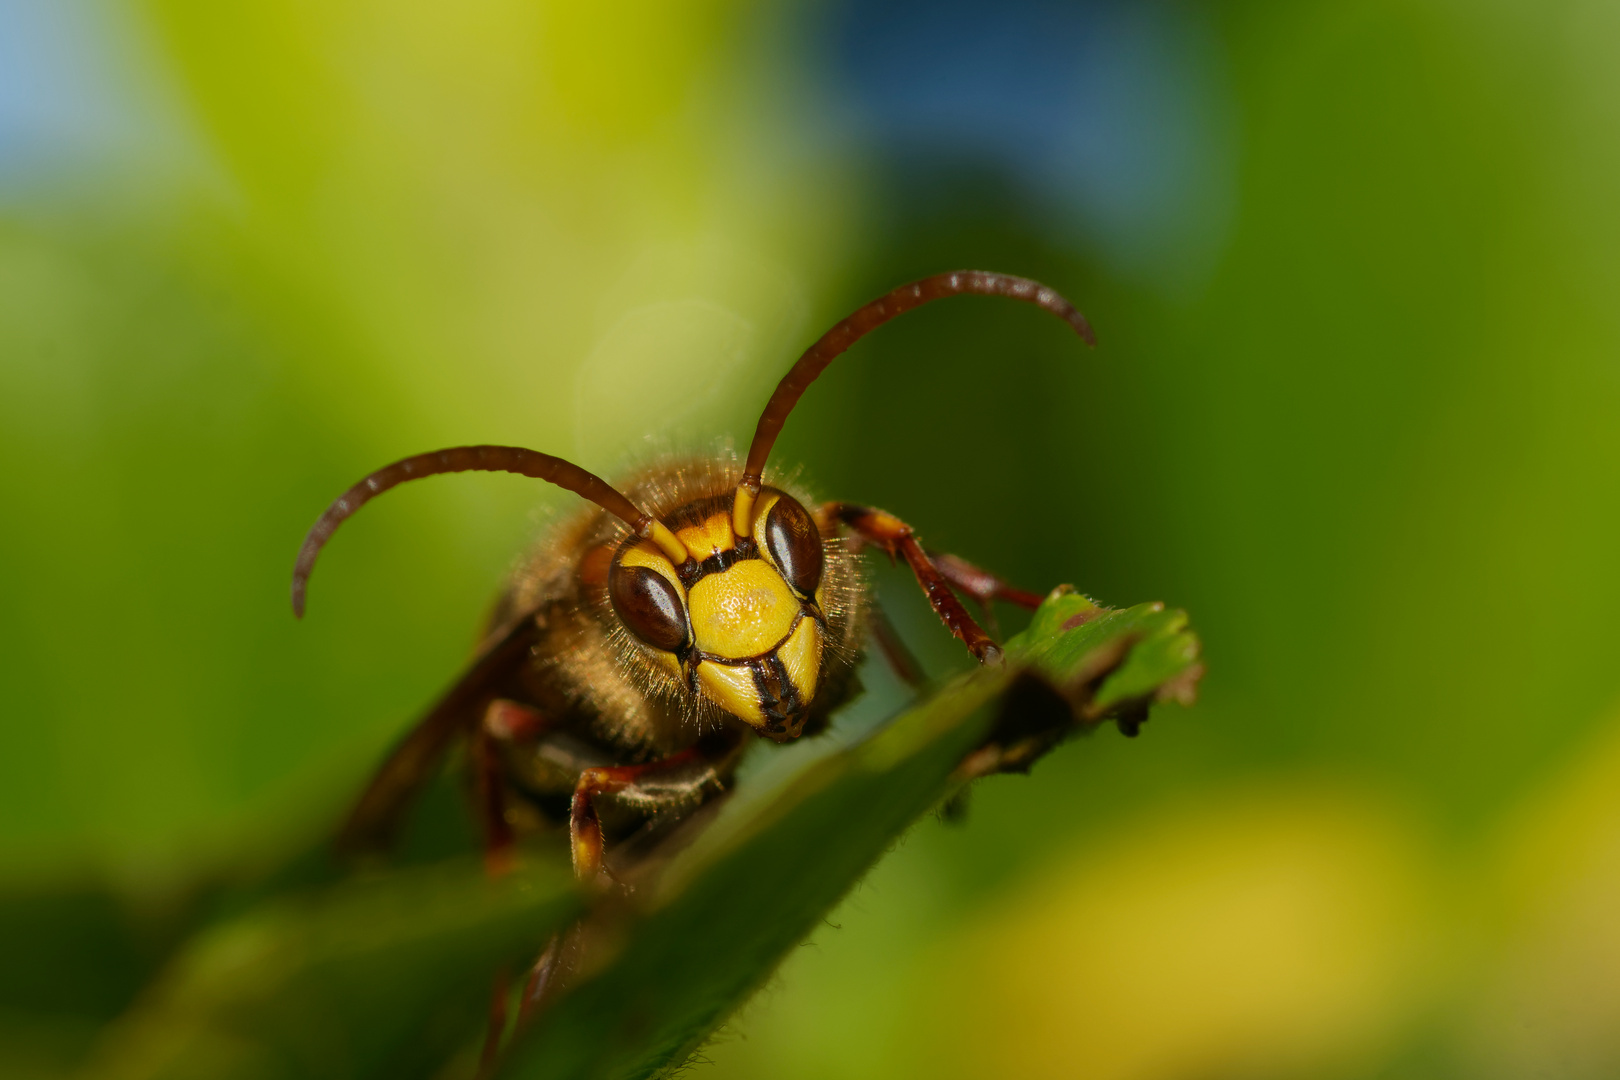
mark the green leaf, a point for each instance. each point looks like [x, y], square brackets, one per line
[666, 967]
[390, 975]
[384, 976]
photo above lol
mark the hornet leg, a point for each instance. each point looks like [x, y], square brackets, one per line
[883, 530]
[679, 782]
[981, 584]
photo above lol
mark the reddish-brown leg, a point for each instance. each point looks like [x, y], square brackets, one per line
[504, 722]
[981, 584]
[883, 530]
[680, 780]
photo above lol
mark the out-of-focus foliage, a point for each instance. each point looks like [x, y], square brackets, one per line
[394, 974]
[1353, 268]
[390, 976]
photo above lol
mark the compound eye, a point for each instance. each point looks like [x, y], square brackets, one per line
[648, 605]
[794, 545]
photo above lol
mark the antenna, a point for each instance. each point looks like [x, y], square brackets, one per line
[512, 459]
[858, 325]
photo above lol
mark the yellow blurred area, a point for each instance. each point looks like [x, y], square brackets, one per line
[1246, 932]
[1238, 937]
[1268, 930]
[1551, 1004]
[462, 183]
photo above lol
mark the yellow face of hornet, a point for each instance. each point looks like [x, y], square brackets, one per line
[742, 622]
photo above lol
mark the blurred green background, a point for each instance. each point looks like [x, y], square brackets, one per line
[1354, 267]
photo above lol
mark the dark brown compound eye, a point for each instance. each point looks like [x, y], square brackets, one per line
[648, 605]
[794, 544]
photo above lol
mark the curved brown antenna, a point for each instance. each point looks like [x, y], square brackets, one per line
[863, 321]
[512, 459]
